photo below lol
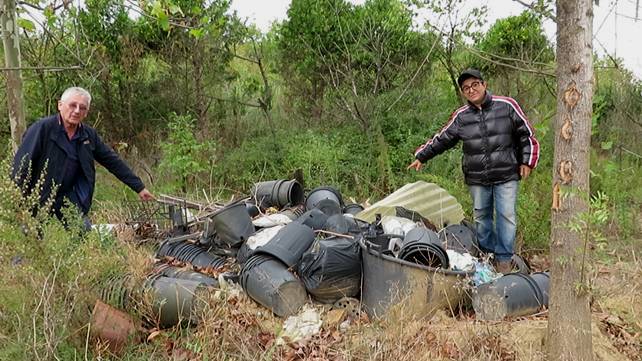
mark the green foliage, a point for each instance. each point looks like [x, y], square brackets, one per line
[334, 51]
[520, 38]
[618, 181]
[48, 271]
[184, 157]
[617, 100]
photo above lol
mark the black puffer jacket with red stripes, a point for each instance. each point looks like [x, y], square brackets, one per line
[497, 139]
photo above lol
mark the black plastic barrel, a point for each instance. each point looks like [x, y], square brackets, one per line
[190, 253]
[337, 223]
[460, 239]
[342, 224]
[278, 193]
[176, 300]
[328, 206]
[289, 244]
[512, 295]
[313, 218]
[252, 209]
[352, 208]
[183, 273]
[543, 280]
[116, 291]
[267, 281]
[233, 224]
[318, 194]
[422, 246]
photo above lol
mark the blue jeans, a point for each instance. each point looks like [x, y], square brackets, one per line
[501, 199]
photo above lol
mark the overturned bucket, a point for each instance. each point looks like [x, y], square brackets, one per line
[422, 246]
[183, 273]
[512, 295]
[352, 208]
[319, 194]
[267, 281]
[176, 300]
[116, 290]
[278, 193]
[289, 244]
[233, 224]
[543, 280]
[190, 253]
[313, 218]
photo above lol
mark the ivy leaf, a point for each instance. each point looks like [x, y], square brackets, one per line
[163, 21]
[175, 9]
[197, 33]
[607, 145]
[157, 9]
[26, 24]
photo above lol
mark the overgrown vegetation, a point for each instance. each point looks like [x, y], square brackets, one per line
[200, 102]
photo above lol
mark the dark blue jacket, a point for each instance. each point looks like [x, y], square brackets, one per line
[42, 149]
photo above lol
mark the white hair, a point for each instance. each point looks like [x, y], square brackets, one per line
[73, 91]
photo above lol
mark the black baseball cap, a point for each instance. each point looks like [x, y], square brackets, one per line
[469, 73]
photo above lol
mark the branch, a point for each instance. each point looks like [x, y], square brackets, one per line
[510, 66]
[37, 7]
[245, 58]
[143, 13]
[537, 9]
[480, 55]
[405, 89]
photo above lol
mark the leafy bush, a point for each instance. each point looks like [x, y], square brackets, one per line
[185, 158]
[47, 270]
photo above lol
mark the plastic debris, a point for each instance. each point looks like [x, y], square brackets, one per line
[271, 220]
[461, 261]
[331, 269]
[262, 237]
[305, 324]
[397, 225]
[484, 273]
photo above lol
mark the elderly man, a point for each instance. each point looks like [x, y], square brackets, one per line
[62, 149]
[499, 149]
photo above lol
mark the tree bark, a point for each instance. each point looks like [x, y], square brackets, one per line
[569, 325]
[10, 40]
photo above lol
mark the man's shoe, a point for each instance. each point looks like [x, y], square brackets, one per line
[504, 267]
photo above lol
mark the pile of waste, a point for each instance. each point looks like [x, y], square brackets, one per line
[287, 248]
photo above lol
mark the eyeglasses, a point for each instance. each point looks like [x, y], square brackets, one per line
[81, 107]
[473, 85]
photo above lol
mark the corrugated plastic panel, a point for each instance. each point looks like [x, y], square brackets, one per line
[427, 199]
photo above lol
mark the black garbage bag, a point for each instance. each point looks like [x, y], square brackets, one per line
[331, 269]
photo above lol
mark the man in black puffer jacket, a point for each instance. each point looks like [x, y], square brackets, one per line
[499, 149]
[62, 149]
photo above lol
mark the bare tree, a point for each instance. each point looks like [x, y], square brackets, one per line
[10, 40]
[569, 327]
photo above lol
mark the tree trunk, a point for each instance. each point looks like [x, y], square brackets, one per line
[569, 325]
[10, 40]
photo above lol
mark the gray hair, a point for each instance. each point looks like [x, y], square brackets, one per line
[73, 91]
